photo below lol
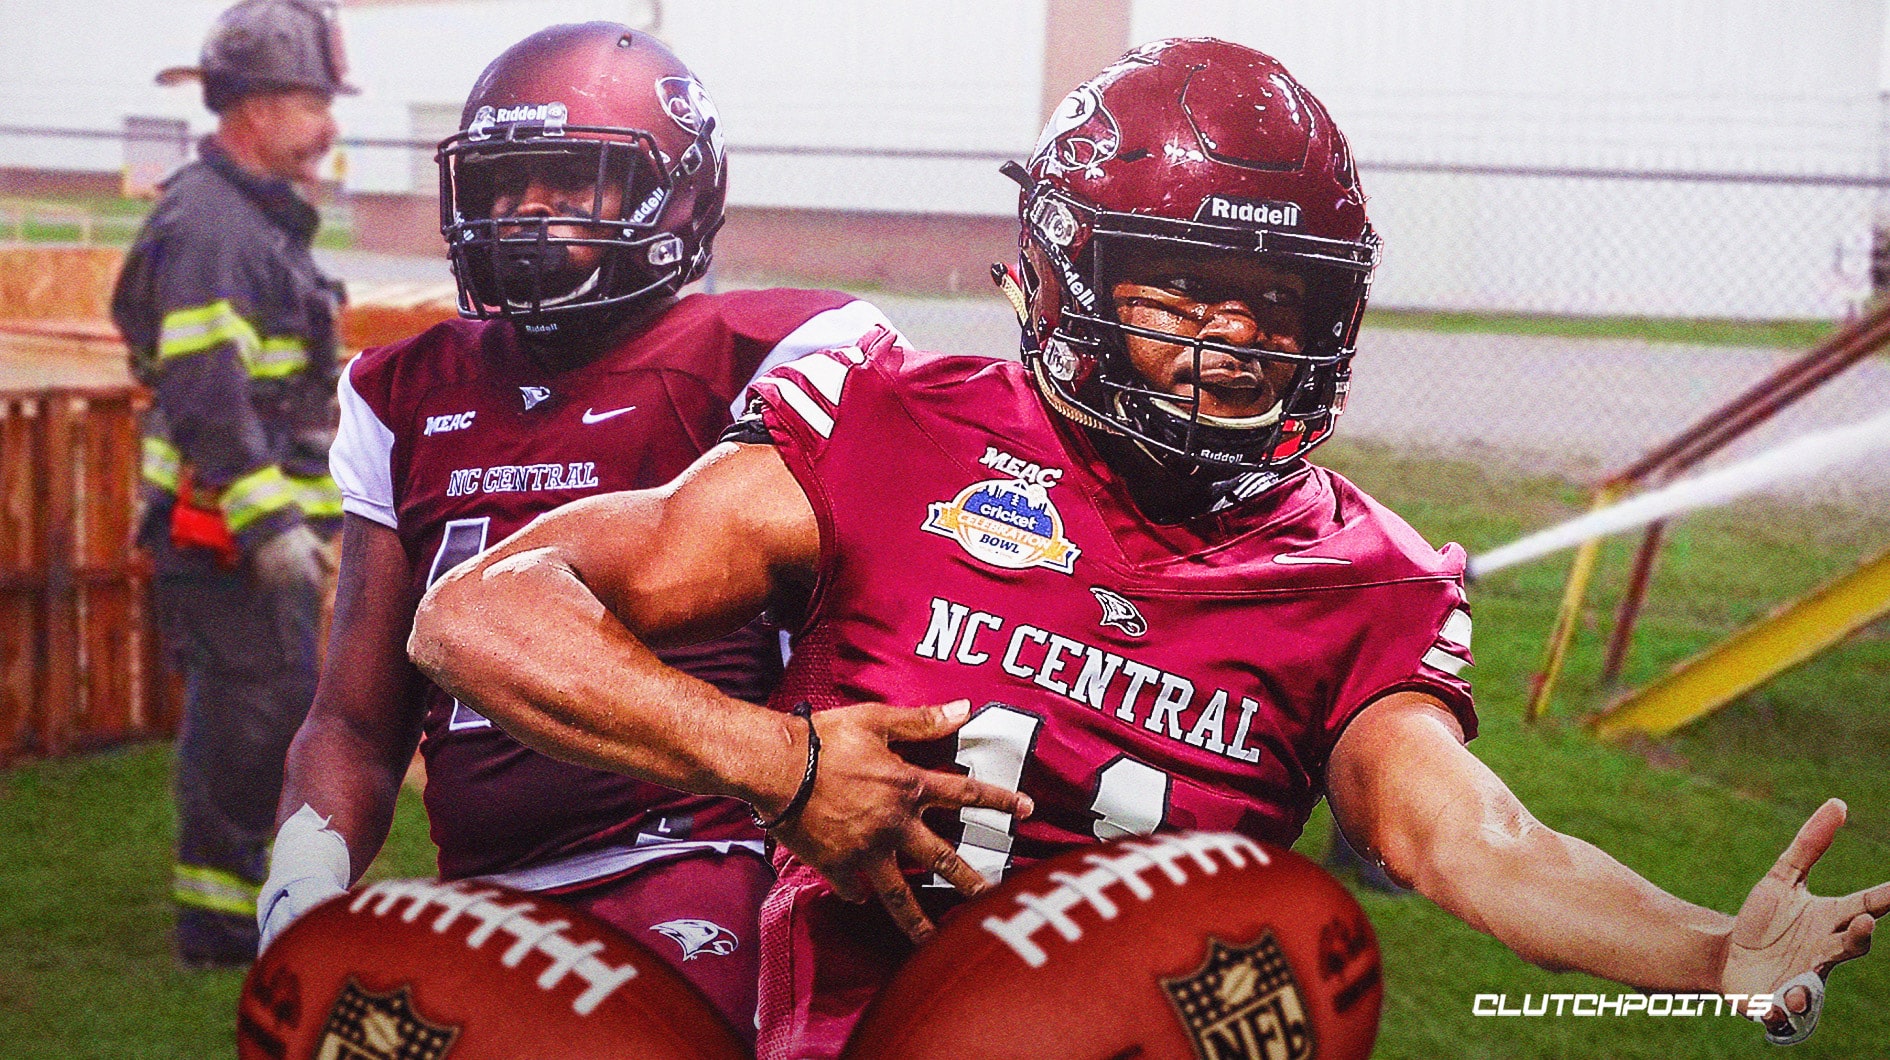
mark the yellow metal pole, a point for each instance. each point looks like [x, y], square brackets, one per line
[1573, 593]
[1754, 655]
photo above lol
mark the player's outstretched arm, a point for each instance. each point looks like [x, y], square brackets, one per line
[550, 632]
[347, 760]
[1785, 934]
[1404, 787]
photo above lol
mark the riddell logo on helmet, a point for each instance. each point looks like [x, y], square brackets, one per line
[551, 115]
[1254, 213]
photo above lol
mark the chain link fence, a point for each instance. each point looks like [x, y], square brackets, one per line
[1551, 320]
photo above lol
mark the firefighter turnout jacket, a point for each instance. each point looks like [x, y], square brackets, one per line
[232, 326]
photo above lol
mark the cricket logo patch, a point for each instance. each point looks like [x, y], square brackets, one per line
[1006, 523]
[1243, 1004]
[364, 1026]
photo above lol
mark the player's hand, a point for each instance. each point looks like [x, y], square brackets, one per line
[1783, 931]
[308, 865]
[293, 561]
[864, 810]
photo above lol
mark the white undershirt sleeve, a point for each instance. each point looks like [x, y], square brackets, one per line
[361, 460]
[826, 330]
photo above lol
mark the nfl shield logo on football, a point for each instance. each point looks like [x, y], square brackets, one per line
[1006, 523]
[369, 1026]
[1243, 1004]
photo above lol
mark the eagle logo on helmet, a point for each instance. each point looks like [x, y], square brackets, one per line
[480, 127]
[1081, 135]
[688, 105]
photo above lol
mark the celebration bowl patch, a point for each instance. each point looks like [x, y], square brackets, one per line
[1005, 523]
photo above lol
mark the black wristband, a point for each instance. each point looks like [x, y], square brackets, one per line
[804, 710]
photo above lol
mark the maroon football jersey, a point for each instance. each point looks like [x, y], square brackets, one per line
[455, 439]
[1127, 675]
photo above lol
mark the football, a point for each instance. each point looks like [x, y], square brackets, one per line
[1195, 946]
[421, 970]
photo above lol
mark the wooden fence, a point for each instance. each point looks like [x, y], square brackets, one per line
[79, 665]
[79, 659]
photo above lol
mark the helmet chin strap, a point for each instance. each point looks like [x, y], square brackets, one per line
[1231, 423]
[1183, 416]
[588, 285]
[1054, 396]
[1239, 486]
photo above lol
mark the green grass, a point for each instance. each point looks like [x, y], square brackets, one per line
[83, 844]
[114, 222]
[85, 914]
[1790, 334]
[1703, 814]
[99, 205]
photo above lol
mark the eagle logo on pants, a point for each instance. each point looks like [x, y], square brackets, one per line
[697, 937]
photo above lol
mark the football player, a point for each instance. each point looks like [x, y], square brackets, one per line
[1118, 549]
[580, 195]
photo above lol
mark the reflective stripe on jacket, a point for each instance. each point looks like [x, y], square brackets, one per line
[232, 326]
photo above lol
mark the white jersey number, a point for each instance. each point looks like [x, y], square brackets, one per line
[460, 541]
[1131, 796]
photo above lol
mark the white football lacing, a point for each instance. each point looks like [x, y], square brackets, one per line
[1123, 863]
[568, 956]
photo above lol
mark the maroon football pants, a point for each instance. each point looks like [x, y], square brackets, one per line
[699, 912]
[822, 960]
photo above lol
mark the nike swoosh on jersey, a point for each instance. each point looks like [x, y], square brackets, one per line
[1294, 559]
[599, 417]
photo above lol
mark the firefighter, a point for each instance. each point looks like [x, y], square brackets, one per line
[232, 326]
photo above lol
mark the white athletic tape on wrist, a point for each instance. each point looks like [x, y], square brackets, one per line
[1801, 1023]
[308, 866]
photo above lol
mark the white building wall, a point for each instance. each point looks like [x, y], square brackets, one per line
[869, 76]
[1664, 84]
[89, 64]
[1738, 85]
[1722, 85]
[68, 66]
[948, 75]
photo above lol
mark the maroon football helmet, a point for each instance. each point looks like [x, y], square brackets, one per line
[1190, 147]
[619, 110]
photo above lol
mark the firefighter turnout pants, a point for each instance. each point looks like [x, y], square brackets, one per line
[248, 656]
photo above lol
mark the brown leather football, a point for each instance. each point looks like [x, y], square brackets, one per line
[1195, 946]
[462, 971]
